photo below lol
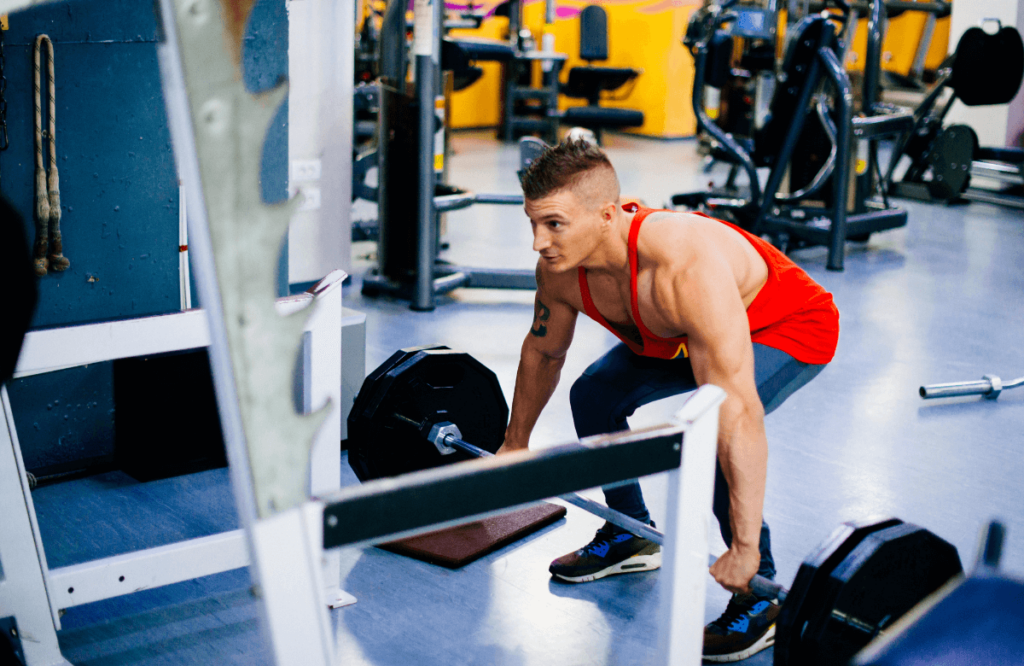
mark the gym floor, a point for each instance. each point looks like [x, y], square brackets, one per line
[939, 300]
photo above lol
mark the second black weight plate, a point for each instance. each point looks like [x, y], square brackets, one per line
[426, 386]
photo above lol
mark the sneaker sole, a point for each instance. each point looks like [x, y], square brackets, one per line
[634, 564]
[762, 643]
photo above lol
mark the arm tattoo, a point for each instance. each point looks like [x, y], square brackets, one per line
[541, 316]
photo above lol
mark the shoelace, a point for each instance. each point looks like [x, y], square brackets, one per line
[601, 539]
[735, 610]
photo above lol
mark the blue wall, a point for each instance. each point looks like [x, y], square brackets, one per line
[119, 193]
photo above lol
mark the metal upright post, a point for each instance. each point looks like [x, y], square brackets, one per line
[687, 533]
[423, 47]
[840, 177]
[869, 98]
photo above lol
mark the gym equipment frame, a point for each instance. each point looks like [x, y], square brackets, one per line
[34, 594]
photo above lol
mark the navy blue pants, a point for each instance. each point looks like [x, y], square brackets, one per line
[611, 389]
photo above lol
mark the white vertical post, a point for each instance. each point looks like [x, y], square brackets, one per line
[291, 584]
[324, 385]
[23, 570]
[320, 81]
[690, 493]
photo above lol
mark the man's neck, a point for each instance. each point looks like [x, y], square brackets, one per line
[612, 255]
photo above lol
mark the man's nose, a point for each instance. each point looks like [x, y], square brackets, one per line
[540, 239]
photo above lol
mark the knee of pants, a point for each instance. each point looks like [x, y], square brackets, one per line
[592, 407]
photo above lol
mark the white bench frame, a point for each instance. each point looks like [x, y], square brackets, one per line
[33, 593]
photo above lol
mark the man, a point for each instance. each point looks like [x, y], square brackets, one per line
[694, 301]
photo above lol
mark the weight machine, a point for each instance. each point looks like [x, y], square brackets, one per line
[986, 68]
[821, 211]
[411, 193]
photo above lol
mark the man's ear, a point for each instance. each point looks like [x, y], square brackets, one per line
[608, 213]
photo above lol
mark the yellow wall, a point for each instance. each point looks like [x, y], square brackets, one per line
[900, 43]
[647, 35]
[643, 34]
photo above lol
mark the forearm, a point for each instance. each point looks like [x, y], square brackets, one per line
[743, 455]
[536, 380]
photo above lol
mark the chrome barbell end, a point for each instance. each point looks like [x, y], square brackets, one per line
[997, 386]
[441, 432]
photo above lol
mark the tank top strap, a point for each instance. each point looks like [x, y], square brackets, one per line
[634, 235]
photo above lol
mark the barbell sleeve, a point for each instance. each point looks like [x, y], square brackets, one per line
[954, 389]
[761, 586]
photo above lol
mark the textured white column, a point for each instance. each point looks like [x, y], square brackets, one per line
[321, 38]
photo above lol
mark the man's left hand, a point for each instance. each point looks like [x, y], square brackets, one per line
[734, 569]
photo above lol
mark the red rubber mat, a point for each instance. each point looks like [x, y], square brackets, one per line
[458, 546]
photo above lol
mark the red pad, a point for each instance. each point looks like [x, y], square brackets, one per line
[456, 547]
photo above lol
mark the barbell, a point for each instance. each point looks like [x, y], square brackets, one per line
[431, 406]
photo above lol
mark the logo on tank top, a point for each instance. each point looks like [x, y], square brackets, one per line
[682, 350]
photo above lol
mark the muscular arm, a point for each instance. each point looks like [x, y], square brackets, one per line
[540, 364]
[704, 298]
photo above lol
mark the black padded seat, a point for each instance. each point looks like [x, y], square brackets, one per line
[458, 56]
[602, 116]
[590, 82]
[479, 48]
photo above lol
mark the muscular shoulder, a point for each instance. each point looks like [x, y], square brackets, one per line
[675, 241]
[557, 286]
[684, 253]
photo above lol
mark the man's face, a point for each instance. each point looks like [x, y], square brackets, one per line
[565, 230]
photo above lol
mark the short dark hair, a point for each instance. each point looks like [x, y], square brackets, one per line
[561, 166]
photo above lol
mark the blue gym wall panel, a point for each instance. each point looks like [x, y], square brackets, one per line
[118, 183]
[119, 195]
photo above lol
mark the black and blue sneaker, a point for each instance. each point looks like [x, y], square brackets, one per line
[613, 551]
[745, 628]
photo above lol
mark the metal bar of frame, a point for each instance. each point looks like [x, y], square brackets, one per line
[844, 122]
[380, 509]
[779, 168]
[23, 569]
[426, 217]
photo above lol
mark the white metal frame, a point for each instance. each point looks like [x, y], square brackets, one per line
[31, 592]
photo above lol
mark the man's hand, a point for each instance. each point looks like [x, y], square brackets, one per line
[734, 569]
[509, 447]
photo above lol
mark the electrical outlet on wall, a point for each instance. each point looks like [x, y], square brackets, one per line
[303, 170]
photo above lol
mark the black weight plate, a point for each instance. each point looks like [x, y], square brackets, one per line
[805, 594]
[426, 386]
[950, 160]
[889, 573]
[366, 390]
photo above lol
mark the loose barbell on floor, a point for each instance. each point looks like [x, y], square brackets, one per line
[989, 386]
[429, 406]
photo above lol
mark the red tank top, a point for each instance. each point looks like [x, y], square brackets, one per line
[791, 313]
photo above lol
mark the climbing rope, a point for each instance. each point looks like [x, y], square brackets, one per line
[4, 142]
[47, 186]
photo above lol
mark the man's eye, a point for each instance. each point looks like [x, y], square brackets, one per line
[554, 225]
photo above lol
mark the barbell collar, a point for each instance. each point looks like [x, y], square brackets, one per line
[997, 386]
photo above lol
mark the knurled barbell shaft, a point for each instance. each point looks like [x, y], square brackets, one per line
[759, 584]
